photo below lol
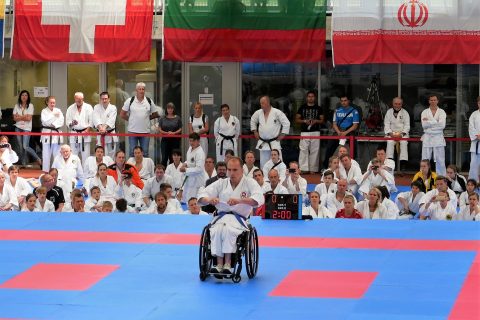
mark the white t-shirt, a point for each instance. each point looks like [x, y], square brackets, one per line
[139, 115]
[24, 125]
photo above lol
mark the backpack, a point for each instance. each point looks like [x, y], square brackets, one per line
[203, 120]
[133, 99]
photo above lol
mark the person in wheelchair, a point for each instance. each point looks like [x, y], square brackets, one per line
[234, 197]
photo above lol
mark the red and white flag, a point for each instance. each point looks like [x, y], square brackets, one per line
[82, 30]
[406, 31]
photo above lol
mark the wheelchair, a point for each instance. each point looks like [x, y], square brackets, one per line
[247, 246]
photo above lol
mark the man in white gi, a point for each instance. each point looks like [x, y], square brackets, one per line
[144, 165]
[433, 122]
[234, 198]
[52, 120]
[69, 167]
[269, 126]
[294, 183]
[275, 185]
[376, 176]
[79, 119]
[193, 168]
[351, 173]
[334, 201]
[226, 130]
[90, 166]
[474, 133]
[152, 185]
[138, 111]
[104, 117]
[397, 125]
[258, 176]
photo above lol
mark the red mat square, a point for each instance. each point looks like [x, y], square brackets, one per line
[50, 276]
[324, 284]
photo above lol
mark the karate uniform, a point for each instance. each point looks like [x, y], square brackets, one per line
[247, 172]
[80, 144]
[51, 144]
[373, 180]
[8, 196]
[132, 194]
[177, 177]
[148, 168]
[107, 192]
[48, 206]
[353, 174]
[226, 134]
[413, 202]
[322, 212]
[332, 204]
[152, 186]
[433, 139]
[225, 229]
[399, 123]
[8, 157]
[195, 174]
[281, 168]
[269, 129]
[434, 192]
[379, 213]
[436, 212]
[106, 116]
[323, 191]
[473, 130]
[465, 214]
[90, 166]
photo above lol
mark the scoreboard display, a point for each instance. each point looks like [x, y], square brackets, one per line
[283, 206]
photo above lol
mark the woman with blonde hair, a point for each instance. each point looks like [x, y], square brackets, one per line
[199, 124]
[372, 207]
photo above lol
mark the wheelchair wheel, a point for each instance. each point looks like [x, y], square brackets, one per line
[236, 278]
[251, 254]
[204, 258]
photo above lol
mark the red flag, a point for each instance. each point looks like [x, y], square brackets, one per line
[82, 30]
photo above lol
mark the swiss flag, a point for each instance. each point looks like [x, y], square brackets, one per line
[82, 30]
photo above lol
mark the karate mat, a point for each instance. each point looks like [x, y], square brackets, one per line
[120, 266]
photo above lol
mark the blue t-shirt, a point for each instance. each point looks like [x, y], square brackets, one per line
[351, 117]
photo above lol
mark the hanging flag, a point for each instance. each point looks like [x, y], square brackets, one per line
[246, 31]
[2, 26]
[406, 31]
[83, 30]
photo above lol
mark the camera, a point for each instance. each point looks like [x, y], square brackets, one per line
[292, 170]
[440, 198]
[5, 145]
[375, 167]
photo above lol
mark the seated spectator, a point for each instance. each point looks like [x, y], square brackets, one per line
[392, 209]
[107, 206]
[209, 168]
[334, 201]
[275, 163]
[42, 204]
[343, 150]
[426, 176]
[145, 166]
[78, 202]
[351, 173]
[408, 202]
[455, 181]
[160, 204]
[258, 176]
[348, 211]
[121, 205]
[471, 187]
[8, 198]
[327, 186]
[69, 204]
[7, 155]
[333, 166]
[440, 186]
[385, 163]
[194, 208]
[316, 209]
[294, 183]
[372, 207]
[91, 164]
[115, 170]
[19, 184]
[377, 175]
[104, 182]
[229, 154]
[93, 203]
[439, 208]
[29, 203]
[221, 169]
[173, 205]
[152, 185]
[249, 165]
[54, 193]
[173, 170]
[130, 192]
[69, 168]
[471, 212]
[275, 185]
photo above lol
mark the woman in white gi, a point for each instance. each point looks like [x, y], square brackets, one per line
[226, 131]
[471, 188]
[8, 198]
[316, 209]
[79, 119]
[275, 162]
[474, 133]
[433, 122]
[199, 124]
[20, 185]
[408, 202]
[52, 120]
[397, 125]
[7, 155]
[69, 167]
[234, 197]
[470, 212]
[105, 182]
[193, 168]
[372, 207]
[269, 125]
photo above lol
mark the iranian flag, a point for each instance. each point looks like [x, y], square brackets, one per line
[245, 31]
[406, 31]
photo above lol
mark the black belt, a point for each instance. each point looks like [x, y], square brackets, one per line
[51, 129]
[269, 141]
[229, 138]
[76, 137]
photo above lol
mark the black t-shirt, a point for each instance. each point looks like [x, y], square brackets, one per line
[55, 195]
[310, 113]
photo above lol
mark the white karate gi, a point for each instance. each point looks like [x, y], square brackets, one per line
[413, 202]
[48, 206]
[281, 168]
[247, 172]
[90, 166]
[465, 214]
[152, 186]
[333, 204]
[195, 174]
[322, 212]
[231, 130]
[379, 213]
[176, 175]
[400, 123]
[433, 139]
[373, 180]
[323, 191]
[106, 116]
[353, 174]
[473, 130]
[80, 144]
[107, 192]
[436, 212]
[277, 123]
[434, 192]
[197, 125]
[8, 196]
[148, 168]
[51, 144]
[69, 170]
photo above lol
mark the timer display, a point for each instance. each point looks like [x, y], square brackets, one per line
[283, 206]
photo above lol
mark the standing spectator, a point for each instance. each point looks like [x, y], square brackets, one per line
[104, 120]
[269, 126]
[193, 168]
[456, 181]
[79, 119]
[170, 124]
[474, 133]
[311, 117]
[199, 124]
[433, 122]
[346, 120]
[52, 120]
[348, 211]
[249, 164]
[397, 125]
[7, 156]
[138, 111]
[22, 115]
[426, 176]
[226, 130]
[144, 165]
